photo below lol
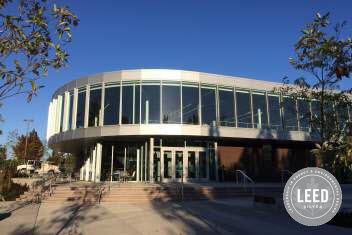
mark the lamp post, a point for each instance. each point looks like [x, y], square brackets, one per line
[27, 121]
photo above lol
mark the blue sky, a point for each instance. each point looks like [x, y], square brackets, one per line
[245, 38]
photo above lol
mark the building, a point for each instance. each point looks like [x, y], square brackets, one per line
[171, 125]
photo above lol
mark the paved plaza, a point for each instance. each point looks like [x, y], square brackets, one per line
[230, 216]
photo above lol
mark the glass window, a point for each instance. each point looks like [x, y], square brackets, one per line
[259, 110]
[342, 115]
[226, 101]
[94, 106]
[167, 164]
[70, 108]
[304, 114]
[191, 164]
[111, 105]
[290, 114]
[208, 106]
[244, 114]
[150, 103]
[171, 104]
[179, 164]
[137, 106]
[127, 104]
[202, 165]
[81, 106]
[190, 104]
[62, 113]
[274, 112]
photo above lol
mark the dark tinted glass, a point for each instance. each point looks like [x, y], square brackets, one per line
[208, 106]
[81, 106]
[227, 117]
[94, 107]
[244, 115]
[150, 104]
[190, 102]
[111, 105]
[70, 108]
[259, 110]
[127, 105]
[290, 114]
[137, 102]
[171, 104]
[274, 112]
[304, 114]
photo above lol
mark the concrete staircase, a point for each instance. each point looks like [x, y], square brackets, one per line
[136, 192]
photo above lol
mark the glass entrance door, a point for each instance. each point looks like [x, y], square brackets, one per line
[182, 164]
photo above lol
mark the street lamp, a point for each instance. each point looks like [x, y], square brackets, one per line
[27, 121]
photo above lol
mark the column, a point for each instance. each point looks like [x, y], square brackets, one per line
[207, 160]
[161, 165]
[87, 163]
[197, 165]
[151, 159]
[185, 166]
[138, 165]
[173, 165]
[216, 161]
[74, 110]
[81, 173]
[145, 160]
[92, 165]
[86, 110]
[142, 163]
[99, 151]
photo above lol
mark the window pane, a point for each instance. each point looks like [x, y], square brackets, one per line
[304, 114]
[62, 113]
[171, 104]
[342, 112]
[190, 103]
[259, 110]
[227, 117]
[179, 164]
[290, 114]
[94, 107]
[274, 112]
[127, 105]
[111, 105]
[81, 106]
[167, 164]
[137, 106]
[191, 164]
[244, 115]
[208, 106]
[71, 97]
[202, 165]
[150, 104]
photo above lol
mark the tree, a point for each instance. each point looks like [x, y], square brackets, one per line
[3, 152]
[32, 40]
[327, 58]
[34, 150]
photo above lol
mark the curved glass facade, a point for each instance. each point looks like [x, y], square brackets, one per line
[176, 102]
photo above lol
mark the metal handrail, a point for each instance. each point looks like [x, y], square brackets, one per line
[283, 174]
[245, 177]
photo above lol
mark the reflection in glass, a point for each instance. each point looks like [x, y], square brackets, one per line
[191, 164]
[342, 115]
[227, 117]
[190, 102]
[208, 106]
[304, 114]
[81, 105]
[202, 165]
[94, 107]
[274, 112]
[167, 164]
[179, 164]
[171, 104]
[290, 114]
[150, 104]
[244, 114]
[70, 108]
[259, 110]
[62, 113]
[127, 105]
[111, 105]
[137, 106]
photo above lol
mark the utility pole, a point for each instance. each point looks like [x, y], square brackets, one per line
[27, 121]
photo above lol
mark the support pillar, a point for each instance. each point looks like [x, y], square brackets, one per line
[138, 165]
[87, 167]
[151, 159]
[216, 161]
[142, 163]
[93, 163]
[145, 160]
[99, 150]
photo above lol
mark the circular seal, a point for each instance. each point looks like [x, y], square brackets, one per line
[312, 196]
